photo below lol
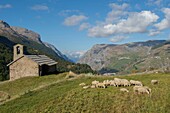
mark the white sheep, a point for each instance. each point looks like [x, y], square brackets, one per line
[121, 82]
[86, 87]
[82, 84]
[93, 86]
[117, 82]
[153, 82]
[124, 90]
[149, 89]
[100, 85]
[95, 82]
[125, 82]
[112, 83]
[141, 89]
[136, 83]
[106, 82]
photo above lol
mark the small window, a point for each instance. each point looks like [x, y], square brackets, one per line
[18, 50]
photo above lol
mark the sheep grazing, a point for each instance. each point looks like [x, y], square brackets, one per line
[106, 82]
[93, 86]
[149, 89]
[112, 83]
[101, 85]
[125, 82]
[153, 82]
[117, 82]
[135, 88]
[141, 90]
[136, 83]
[124, 90]
[117, 79]
[82, 84]
[95, 82]
[121, 82]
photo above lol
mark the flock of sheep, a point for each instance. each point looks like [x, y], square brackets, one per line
[138, 88]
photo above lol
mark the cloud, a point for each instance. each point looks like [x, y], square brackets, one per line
[165, 23]
[117, 12]
[118, 38]
[84, 26]
[76, 53]
[67, 12]
[97, 31]
[74, 20]
[5, 6]
[118, 7]
[154, 2]
[40, 7]
[137, 22]
[158, 2]
[154, 32]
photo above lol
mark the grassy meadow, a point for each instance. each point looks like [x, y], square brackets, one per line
[56, 94]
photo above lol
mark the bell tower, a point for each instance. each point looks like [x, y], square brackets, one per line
[18, 51]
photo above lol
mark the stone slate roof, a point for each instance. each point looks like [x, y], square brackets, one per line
[42, 59]
[39, 59]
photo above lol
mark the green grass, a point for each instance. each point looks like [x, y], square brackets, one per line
[122, 64]
[20, 86]
[67, 96]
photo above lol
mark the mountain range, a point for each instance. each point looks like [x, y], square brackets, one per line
[74, 55]
[104, 58]
[129, 58]
[23, 36]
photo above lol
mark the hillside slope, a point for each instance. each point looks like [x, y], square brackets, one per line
[125, 58]
[26, 37]
[67, 96]
[5, 57]
[157, 60]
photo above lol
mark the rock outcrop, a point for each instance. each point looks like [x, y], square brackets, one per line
[28, 34]
[4, 24]
[6, 30]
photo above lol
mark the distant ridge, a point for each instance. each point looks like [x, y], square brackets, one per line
[129, 57]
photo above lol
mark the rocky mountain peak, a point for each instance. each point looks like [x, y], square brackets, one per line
[6, 30]
[99, 45]
[25, 36]
[28, 33]
[4, 24]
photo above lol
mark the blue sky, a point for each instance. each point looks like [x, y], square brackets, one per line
[75, 25]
